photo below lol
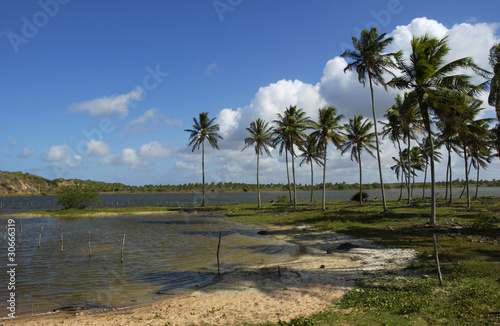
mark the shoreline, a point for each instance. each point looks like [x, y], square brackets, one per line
[305, 285]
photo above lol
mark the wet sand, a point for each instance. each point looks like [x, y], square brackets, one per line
[318, 275]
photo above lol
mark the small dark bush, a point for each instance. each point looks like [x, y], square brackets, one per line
[356, 196]
[79, 197]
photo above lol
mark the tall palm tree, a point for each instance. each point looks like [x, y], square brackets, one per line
[279, 138]
[448, 137]
[473, 134]
[433, 83]
[494, 97]
[291, 127]
[203, 129]
[311, 153]
[261, 139]
[358, 138]
[325, 131]
[392, 129]
[409, 125]
[369, 62]
[425, 145]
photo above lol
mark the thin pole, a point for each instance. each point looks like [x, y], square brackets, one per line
[20, 232]
[123, 244]
[90, 249]
[40, 237]
[218, 248]
[437, 259]
[62, 241]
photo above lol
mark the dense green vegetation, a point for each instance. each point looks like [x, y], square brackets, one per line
[10, 178]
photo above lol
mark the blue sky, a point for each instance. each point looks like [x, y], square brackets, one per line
[103, 90]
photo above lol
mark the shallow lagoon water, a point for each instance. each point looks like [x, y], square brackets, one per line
[163, 255]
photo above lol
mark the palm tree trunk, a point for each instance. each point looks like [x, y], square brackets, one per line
[258, 185]
[425, 177]
[402, 171]
[477, 181]
[294, 184]
[466, 176]
[312, 181]
[427, 124]
[451, 178]
[203, 171]
[288, 176]
[323, 206]
[465, 184]
[433, 181]
[378, 147]
[409, 172]
[360, 181]
[447, 174]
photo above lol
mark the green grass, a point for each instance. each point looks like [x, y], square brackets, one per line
[469, 252]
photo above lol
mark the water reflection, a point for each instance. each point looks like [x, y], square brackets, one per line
[163, 254]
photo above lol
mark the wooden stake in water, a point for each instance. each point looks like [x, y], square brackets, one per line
[5, 233]
[62, 241]
[40, 237]
[20, 232]
[218, 247]
[90, 249]
[123, 244]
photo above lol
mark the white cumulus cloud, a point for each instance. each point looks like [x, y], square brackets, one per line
[26, 152]
[155, 149]
[97, 148]
[152, 117]
[108, 105]
[63, 155]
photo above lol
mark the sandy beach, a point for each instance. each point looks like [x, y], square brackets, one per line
[319, 274]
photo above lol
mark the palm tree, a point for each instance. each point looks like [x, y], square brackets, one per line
[279, 138]
[203, 129]
[409, 124]
[311, 153]
[473, 134]
[326, 131]
[392, 129]
[358, 138]
[494, 97]
[291, 129]
[448, 137]
[369, 62]
[432, 82]
[261, 139]
[425, 145]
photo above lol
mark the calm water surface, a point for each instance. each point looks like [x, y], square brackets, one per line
[163, 255]
[22, 203]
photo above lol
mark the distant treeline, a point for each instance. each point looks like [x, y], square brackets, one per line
[19, 183]
[243, 187]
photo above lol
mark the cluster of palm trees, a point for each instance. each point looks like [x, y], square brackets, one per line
[439, 104]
